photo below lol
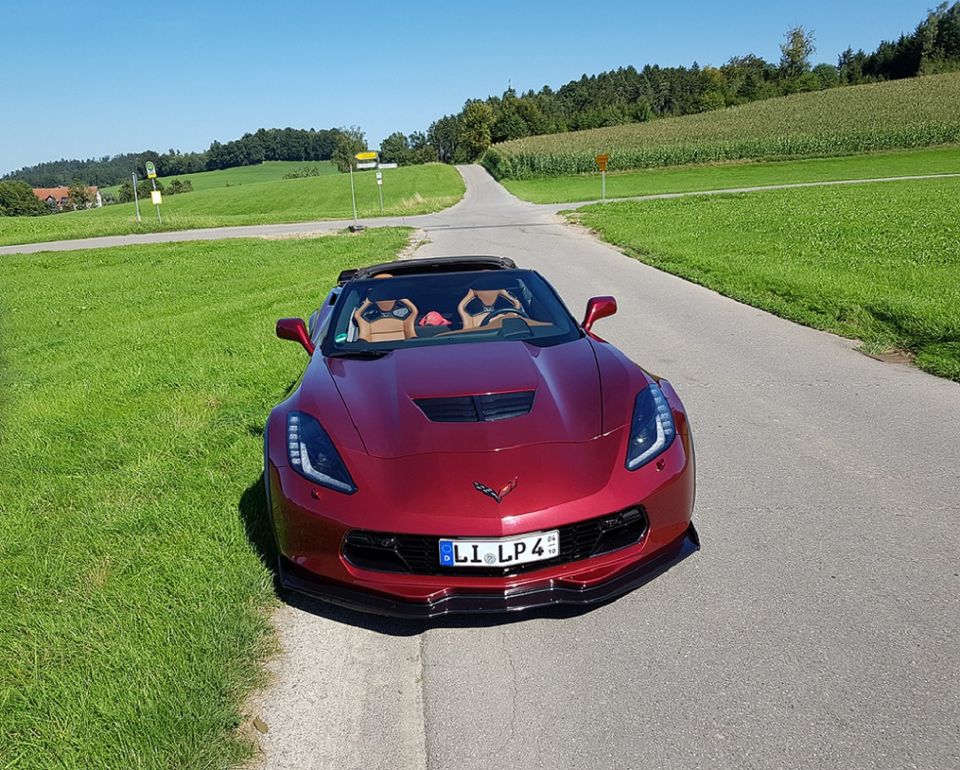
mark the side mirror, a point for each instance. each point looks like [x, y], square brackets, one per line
[294, 329]
[597, 308]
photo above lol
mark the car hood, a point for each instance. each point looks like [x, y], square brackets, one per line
[379, 396]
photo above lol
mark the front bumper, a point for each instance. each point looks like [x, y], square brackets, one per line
[549, 593]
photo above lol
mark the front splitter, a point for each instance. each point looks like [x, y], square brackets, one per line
[553, 594]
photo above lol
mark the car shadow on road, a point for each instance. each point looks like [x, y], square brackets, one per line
[252, 509]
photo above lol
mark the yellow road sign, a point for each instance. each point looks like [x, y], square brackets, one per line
[602, 161]
[366, 156]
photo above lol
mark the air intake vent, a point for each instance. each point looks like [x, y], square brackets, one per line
[487, 408]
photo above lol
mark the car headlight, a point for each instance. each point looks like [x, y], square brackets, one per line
[652, 429]
[312, 454]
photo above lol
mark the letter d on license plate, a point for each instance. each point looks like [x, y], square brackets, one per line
[499, 552]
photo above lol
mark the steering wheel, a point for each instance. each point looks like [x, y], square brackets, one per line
[503, 311]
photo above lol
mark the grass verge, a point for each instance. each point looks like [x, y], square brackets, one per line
[406, 191]
[877, 262]
[136, 382]
[719, 176]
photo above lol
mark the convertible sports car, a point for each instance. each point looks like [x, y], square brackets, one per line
[459, 443]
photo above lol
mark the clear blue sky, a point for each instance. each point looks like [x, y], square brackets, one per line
[100, 78]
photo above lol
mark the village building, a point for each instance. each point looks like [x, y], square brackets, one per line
[59, 197]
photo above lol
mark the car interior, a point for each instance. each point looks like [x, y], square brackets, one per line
[483, 303]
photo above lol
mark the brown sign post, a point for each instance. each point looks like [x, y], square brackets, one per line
[602, 163]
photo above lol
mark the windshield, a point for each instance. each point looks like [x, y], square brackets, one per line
[386, 313]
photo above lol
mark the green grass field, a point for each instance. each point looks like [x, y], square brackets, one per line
[877, 262]
[899, 114]
[268, 171]
[135, 385]
[408, 190]
[719, 176]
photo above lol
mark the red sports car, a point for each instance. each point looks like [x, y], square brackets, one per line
[459, 443]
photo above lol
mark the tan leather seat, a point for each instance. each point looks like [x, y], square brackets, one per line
[397, 320]
[487, 298]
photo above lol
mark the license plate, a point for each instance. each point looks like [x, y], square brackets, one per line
[499, 552]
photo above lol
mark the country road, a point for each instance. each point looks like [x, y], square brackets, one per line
[452, 217]
[817, 628]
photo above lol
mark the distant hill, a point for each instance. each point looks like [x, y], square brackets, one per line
[915, 112]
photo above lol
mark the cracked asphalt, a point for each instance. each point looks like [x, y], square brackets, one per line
[817, 628]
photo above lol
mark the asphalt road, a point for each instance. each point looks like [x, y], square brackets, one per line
[452, 217]
[817, 628]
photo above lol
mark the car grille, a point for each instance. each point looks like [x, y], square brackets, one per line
[419, 554]
[484, 408]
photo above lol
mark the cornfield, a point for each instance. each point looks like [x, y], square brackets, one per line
[917, 112]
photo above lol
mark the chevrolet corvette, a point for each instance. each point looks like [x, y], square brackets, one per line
[458, 443]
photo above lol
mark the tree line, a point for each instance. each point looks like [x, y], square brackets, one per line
[250, 149]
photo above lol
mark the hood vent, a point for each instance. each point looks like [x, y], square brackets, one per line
[485, 408]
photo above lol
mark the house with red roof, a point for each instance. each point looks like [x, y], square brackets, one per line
[59, 197]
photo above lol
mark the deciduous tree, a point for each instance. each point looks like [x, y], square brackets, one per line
[350, 141]
[795, 52]
[475, 125]
[78, 195]
[17, 200]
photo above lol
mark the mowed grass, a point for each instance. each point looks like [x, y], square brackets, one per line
[899, 114]
[406, 191]
[719, 176]
[268, 171]
[135, 384]
[878, 262]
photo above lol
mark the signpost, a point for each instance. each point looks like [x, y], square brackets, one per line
[136, 198]
[602, 163]
[380, 188]
[368, 159]
[155, 194]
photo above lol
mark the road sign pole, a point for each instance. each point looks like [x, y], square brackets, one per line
[353, 195]
[380, 188]
[602, 165]
[158, 205]
[364, 156]
[136, 198]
